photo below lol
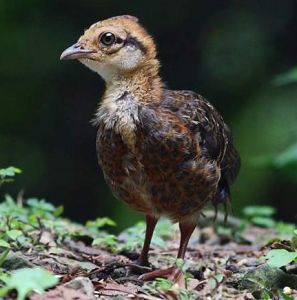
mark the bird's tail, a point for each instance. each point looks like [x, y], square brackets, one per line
[223, 196]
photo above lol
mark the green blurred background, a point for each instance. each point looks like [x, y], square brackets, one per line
[229, 51]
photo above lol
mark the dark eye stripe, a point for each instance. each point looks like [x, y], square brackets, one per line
[130, 40]
[119, 40]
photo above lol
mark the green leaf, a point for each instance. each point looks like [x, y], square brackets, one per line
[9, 172]
[224, 231]
[285, 228]
[108, 240]
[40, 205]
[265, 295]
[158, 241]
[27, 280]
[4, 244]
[100, 222]
[280, 257]
[163, 229]
[3, 256]
[259, 210]
[215, 281]
[134, 236]
[180, 263]
[6, 175]
[263, 222]
[4, 277]
[287, 158]
[58, 211]
[286, 78]
[285, 161]
[163, 284]
[14, 234]
[283, 296]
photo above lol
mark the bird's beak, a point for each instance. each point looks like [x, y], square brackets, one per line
[76, 52]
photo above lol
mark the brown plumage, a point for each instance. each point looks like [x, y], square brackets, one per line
[163, 152]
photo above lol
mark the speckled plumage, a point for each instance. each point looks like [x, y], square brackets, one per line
[163, 152]
[181, 147]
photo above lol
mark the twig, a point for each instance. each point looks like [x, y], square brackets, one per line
[115, 265]
[129, 279]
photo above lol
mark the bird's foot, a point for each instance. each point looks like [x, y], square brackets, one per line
[139, 267]
[173, 274]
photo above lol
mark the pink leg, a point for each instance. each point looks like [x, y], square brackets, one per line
[174, 273]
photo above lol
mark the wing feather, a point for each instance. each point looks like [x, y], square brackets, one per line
[214, 136]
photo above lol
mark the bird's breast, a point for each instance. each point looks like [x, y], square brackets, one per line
[120, 115]
[122, 170]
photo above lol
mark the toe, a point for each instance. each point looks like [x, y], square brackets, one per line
[173, 274]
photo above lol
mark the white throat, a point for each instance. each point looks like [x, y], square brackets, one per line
[118, 111]
[107, 72]
[127, 60]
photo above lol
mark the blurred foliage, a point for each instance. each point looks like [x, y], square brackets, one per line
[28, 280]
[7, 174]
[231, 52]
[286, 78]
[260, 215]
[19, 220]
[134, 236]
[285, 161]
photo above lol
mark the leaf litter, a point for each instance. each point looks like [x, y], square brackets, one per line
[221, 262]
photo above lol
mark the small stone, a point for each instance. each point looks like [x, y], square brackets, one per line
[208, 273]
[232, 268]
[83, 285]
[287, 290]
[242, 262]
[268, 277]
[60, 293]
[47, 238]
[17, 260]
[192, 283]
[228, 273]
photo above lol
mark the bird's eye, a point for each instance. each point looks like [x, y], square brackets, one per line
[107, 38]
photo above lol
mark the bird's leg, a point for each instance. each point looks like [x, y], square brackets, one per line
[186, 230]
[150, 227]
[143, 257]
[174, 273]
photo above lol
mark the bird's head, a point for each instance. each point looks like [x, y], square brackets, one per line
[113, 47]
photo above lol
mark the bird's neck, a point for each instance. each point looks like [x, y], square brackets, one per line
[143, 84]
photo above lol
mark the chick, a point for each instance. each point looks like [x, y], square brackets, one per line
[164, 152]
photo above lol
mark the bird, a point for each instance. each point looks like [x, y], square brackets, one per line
[165, 153]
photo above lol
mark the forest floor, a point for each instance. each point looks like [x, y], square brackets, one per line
[222, 262]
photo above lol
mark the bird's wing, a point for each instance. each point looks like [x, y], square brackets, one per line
[214, 136]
